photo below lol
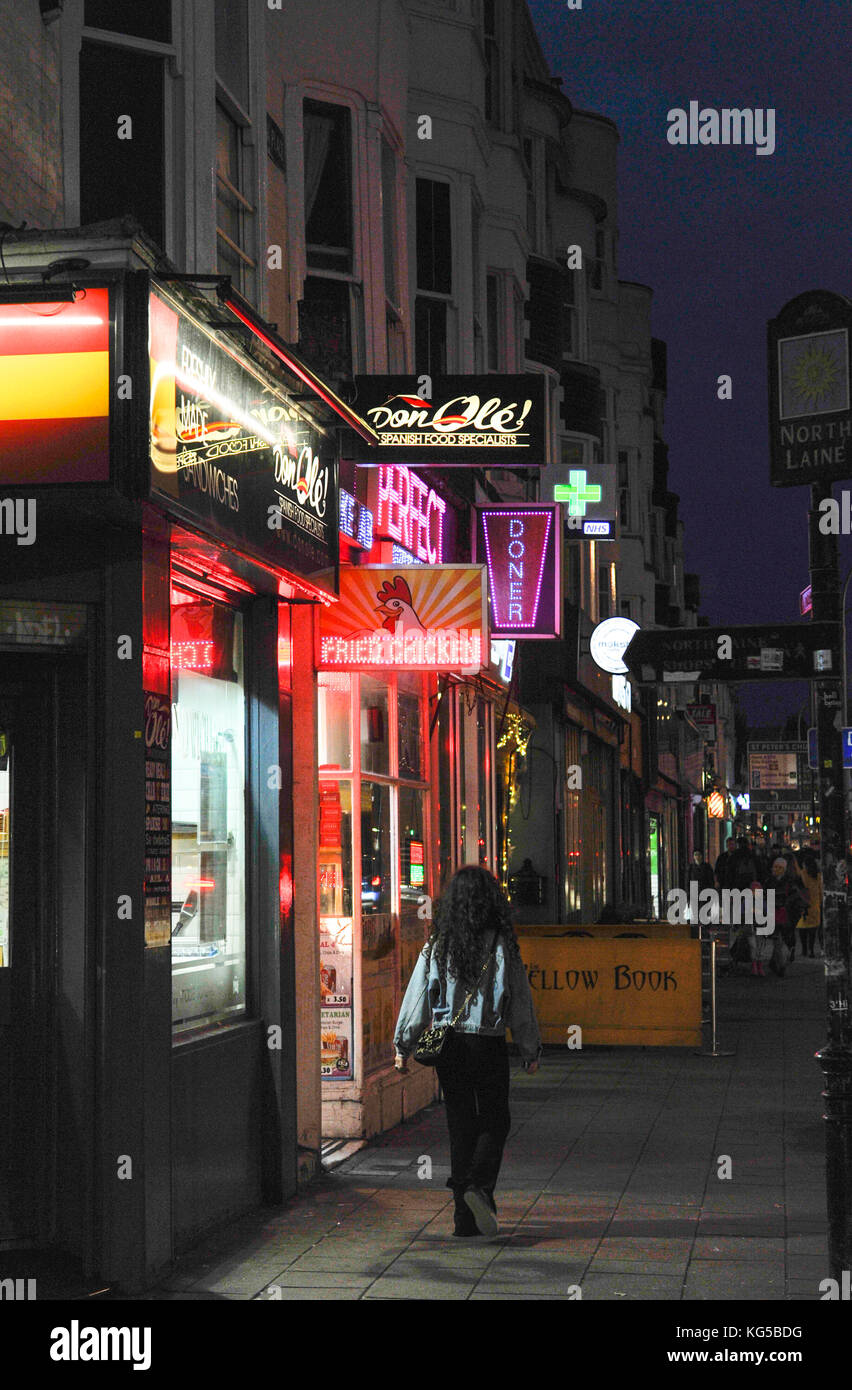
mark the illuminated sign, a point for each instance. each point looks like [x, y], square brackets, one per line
[716, 806]
[521, 550]
[406, 619]
[416, 865]
[230, 452]
[609, 642]
[806, 601]
[621, 693]
[406, 510]
[743, 800]
[503, 657]
[453, 419]
[54, 390]
[588, 498]
[356, 521]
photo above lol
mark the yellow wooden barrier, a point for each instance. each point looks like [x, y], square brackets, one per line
[628, 992]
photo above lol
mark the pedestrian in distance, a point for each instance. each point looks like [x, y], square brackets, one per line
[807, 867]
[722, 867]
[700, 870]
[473, 951]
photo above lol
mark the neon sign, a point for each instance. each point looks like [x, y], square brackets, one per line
[577, 492]
[408, 511]
[521, 546]
[452, 419]
[356, 521]
[415, 619]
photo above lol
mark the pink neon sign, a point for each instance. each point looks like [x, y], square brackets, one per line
[408, 511]
[521, 549]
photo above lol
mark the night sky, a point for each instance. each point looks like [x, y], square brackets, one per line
[724, 237]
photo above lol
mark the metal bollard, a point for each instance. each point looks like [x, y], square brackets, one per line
[714, 1051]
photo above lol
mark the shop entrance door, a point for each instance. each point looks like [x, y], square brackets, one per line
[26, 993]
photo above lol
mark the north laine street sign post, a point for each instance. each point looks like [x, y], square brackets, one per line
[810, 440]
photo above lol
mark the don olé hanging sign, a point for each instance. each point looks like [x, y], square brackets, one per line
[492, 421]
[406, 618]
[230, 453]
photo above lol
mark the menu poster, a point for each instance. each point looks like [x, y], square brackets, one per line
[336, 1044]
[158, 821]
[335, 961]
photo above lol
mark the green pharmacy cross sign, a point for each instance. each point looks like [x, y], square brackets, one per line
[577, 492]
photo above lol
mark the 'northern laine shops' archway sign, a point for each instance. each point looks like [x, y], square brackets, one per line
[231, 453]
[492, 421]
[810, 412]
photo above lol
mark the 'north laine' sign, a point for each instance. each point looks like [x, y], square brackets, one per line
[810, 412]
[520, 546]
[494, 421]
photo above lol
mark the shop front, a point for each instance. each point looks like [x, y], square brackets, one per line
[150, 877]
[385, 654]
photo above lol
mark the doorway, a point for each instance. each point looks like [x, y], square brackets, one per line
[46, 1108]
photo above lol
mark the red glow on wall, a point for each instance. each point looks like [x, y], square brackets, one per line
[285, 886]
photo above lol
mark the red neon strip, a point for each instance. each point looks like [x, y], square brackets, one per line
[338, 406]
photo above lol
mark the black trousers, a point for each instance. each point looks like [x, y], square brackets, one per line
[475, 1081]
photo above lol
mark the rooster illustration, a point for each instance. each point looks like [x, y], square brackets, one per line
[396, 604]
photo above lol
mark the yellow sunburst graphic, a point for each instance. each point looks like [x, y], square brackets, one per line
[815, 375]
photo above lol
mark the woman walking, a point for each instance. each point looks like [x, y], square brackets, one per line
[807, 865]
[472, 952]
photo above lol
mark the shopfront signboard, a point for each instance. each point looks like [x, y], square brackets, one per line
[408, 618]
[490, 421]
[520, 547]
[231, 453]
[55, 390]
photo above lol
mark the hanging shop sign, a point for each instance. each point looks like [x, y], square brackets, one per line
[230, 452]
[406, 619]
[810, 411]
[608, 643]
[407, 511]
[456, 419]
[55, 390]
[704, 717]
[588, 498]
[520, 546]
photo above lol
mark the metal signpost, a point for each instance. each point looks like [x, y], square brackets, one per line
[810, 428]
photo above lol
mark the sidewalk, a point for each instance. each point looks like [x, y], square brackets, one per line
[610, 1182]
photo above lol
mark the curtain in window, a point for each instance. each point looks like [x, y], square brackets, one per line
[318, 130]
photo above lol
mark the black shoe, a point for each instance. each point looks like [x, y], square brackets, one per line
[483, 1210]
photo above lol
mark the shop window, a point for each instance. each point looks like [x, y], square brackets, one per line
[335, 848]
[375, 743]
[334, 692]
[412, 878]
[326, 323]
[376, 884]
[410, 728]
[208, 814]
[232, 56]
[328, 187]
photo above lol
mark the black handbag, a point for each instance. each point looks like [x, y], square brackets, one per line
[434, 1043]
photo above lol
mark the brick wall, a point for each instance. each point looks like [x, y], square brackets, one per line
[30, 130]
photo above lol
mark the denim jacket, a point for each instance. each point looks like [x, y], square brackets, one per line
[501, 999]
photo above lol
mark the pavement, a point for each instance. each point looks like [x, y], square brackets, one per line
[630, 1173]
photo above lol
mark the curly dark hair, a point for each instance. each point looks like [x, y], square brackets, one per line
[469, 911]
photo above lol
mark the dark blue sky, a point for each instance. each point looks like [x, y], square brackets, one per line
[724, 237]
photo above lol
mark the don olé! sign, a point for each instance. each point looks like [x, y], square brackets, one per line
[456, 419]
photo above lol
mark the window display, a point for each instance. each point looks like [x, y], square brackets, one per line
[208, 813]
